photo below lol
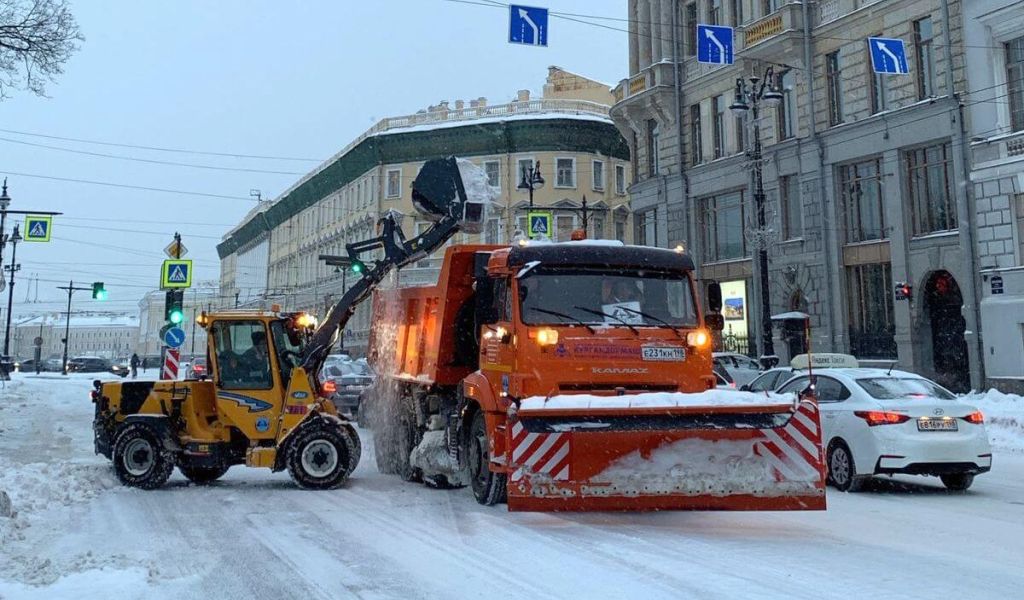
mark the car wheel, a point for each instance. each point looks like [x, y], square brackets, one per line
[957, 481]
[842, 470]
[203, 475]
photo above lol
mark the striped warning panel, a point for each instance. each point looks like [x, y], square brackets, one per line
[171, 360]
[540, 454]
[794, 451]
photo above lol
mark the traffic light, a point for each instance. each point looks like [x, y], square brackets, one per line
[173, 312]
[358, 266]
[98, 291]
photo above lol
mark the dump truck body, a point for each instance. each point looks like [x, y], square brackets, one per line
[588, 368]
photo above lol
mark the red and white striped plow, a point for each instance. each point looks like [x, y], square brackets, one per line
[759, 457]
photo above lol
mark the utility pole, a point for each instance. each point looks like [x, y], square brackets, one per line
[71, 289]
[14, 238]
[748, 104]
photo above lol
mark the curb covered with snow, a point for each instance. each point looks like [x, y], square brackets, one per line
[1004, 417]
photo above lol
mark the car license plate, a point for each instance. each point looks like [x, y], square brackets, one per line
[671, 353]
[930, 424]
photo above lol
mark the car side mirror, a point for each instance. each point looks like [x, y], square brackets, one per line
[714, 321]
[714, 297]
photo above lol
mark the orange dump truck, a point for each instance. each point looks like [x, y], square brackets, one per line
[577, 376]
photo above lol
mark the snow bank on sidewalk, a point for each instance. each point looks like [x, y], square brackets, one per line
[709, 398]
[1004, 417]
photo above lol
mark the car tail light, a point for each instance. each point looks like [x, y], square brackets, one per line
[329, 387]
[881, 417]
[976, 417]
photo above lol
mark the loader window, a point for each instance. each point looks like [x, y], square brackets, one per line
[243, 359]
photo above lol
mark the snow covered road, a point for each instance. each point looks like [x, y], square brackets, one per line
[78, 534]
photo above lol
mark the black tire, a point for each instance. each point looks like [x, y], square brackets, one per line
[140, 459]
[320, 456]
[408, 438]
[489, 488]
[957, 482]
[203, 475]
[357, 445]
[842, 470]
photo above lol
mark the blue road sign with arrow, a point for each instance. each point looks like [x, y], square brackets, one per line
[174, 337]
[528, 25]
[715, 44]
[888, 56]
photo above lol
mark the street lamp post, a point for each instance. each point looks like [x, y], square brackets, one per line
[14, 238]
[530, 180]
[747, 104]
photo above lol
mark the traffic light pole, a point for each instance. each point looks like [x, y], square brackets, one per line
[13, 268]
[71, 289]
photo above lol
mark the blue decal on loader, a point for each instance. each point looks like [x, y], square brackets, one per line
[253, 404]
[262, 424]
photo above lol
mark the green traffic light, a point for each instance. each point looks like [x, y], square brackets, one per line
[357, 267]
[176, 316]
[101, 294]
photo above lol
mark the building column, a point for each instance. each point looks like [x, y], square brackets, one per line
[634, 58]
[656, 30]
[667, 6]
[644, 41]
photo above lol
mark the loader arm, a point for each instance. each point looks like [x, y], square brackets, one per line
[438, 193]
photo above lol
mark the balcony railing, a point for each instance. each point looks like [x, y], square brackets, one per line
[789, 17]
[652, 76]
[1000, 147]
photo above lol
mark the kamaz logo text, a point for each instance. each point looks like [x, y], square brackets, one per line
[619, 370]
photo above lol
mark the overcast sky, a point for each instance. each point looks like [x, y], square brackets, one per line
[283, 79]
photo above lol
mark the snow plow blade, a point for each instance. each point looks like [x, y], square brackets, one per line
[706, 451]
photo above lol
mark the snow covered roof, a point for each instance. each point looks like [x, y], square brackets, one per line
[83, 321]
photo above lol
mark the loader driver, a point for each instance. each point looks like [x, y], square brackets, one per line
[256, 360]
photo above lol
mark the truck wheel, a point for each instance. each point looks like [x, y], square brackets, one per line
[488, 487]
[203, 475]
[957, 481]
[140, 459]
[320, 457]
[408, 438]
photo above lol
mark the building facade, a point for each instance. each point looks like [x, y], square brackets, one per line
[994, 50]
[107, 335]
[272, 256]
[867, 229]
[152, 318]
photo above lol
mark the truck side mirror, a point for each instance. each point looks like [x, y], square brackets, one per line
[714, 297]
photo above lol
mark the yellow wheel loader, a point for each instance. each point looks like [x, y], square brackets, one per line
[262, 404]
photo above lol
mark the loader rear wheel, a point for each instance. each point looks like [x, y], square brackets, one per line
[489, 488]
[203, 475]
[140, 459]
[320, 457]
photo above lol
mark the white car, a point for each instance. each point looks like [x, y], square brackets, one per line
[879, 421]
[740, 367]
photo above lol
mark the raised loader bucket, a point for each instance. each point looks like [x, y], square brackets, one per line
[709, 451]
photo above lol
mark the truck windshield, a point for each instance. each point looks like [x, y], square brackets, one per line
[601, 297]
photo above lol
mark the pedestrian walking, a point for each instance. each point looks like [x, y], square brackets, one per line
[134, 363]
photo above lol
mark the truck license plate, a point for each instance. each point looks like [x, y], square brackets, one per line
[675, 353]
[930, 424]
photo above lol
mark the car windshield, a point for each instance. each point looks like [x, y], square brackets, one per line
[894, 388]
[601, 297]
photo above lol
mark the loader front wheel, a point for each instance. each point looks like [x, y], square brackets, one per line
[203, 475]
[321, 457]
[140, 459]
[489, 488]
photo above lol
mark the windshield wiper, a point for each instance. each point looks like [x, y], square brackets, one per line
[564, 316]
[653, 318]
[604, 314]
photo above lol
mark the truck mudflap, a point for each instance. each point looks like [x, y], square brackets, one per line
[671, 453]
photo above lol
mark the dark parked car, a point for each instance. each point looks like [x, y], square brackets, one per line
[348, 379]
[89, 364]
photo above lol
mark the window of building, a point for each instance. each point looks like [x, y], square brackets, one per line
[491, 231]
[834, 79]
[786, 112]
[493, 170]
[620, 179]
[564, 226]
[861, 196]
[394, 187]
[722, 218]
[714, 12]
[523, 165]
[1015, 81]
[646, 228]
[597, 175]
[696, 154]
[770, 6]
[741, 134]
[691, 29]
[923, 38]
[565, 172]
[718, 125]
[652, 147]
[596, 225]
[869, 288]
[930, 187]
[620, 230]
[791, 208]
[878, 83]
[737, 12]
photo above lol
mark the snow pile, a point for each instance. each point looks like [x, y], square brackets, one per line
[1004, 417]
[709, 398]
[694, 466]
[474, 181]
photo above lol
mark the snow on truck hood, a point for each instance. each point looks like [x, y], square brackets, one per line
[710, 398]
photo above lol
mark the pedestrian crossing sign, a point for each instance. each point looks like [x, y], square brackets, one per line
[176, 274]
[38, 228]
[539, 223]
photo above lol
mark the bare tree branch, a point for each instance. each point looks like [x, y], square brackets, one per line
[36, 38]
